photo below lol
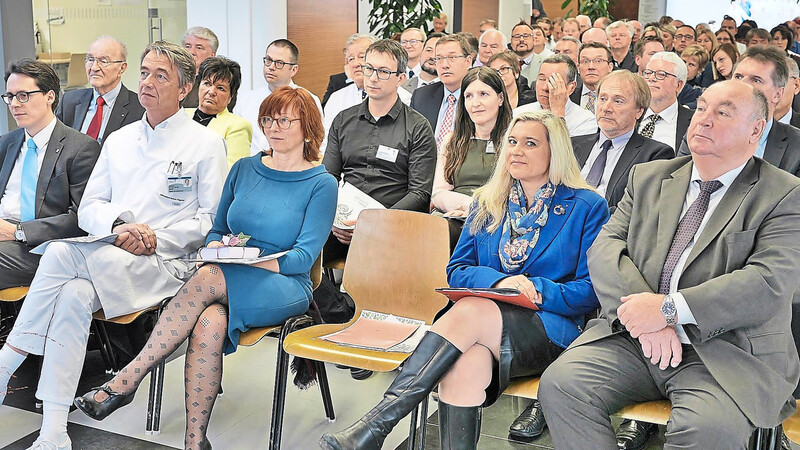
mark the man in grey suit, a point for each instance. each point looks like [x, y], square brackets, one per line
[108, 105]
[42, 204]
[695, 274]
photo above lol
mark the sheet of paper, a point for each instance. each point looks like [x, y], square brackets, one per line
[107, 238]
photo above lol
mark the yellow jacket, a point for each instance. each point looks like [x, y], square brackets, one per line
[238, 133]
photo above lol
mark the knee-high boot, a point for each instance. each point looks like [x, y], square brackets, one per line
[421, 372]
[459, 426]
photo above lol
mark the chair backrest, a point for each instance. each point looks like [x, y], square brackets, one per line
[76, 74]
[316, 273]
[396, 260]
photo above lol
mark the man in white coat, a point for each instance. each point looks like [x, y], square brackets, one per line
[156, 187]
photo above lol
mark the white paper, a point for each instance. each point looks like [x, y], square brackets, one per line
[108, 238]
[350, 204]
[243, 261]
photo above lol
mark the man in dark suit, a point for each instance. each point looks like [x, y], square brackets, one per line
[620, 36]
[784, 113]
[666, 120]
[38, 203]
[108, 105]
[695, 274]
[335, 82]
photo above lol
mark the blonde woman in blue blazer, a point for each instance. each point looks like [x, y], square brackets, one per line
[528, 229]
[220, 79]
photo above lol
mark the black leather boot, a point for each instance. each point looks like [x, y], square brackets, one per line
[459, 427]
[421, 372]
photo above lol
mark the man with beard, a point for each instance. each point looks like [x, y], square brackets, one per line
[428, 73]
[522, 45]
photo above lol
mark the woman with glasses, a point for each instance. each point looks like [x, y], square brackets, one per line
[220, 79]
[468, 155]
[723, 59]
[518, 92]
[284, 202]
[529, 230]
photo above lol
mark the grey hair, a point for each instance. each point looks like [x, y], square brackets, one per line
[768, 55]
[492, 30]
[571, 39]
[202, 33]
[618, 24]
[572, 69]
[762, 105]
[681, 72]
[358, 37]
[117, 41]
[177, 56]
[794, 71]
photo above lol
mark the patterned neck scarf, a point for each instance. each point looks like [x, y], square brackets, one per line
[522, 225]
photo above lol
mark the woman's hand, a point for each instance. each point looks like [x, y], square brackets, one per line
[455, 213]
[271, 265]
[522, 284]
[215, 244]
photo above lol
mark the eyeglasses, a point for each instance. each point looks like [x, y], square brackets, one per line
[593, 61]
[451, 59]
[504, 70]
[383, 74]
[283, 122]
[410, 42]
[521, 36]
[102, 62]
[684, 37]
[659, 74]
[278, 63]
[22, 96]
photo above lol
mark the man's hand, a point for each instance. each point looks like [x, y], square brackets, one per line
[558, 95]
[344, 236]
[662, 347]
[536, 13]
[641, 313]
[7, 230]
[136, 238]
[522, 284]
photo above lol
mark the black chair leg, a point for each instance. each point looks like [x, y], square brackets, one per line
[412, 433]
[325, 390]
[105, 347]
[423, 413]
[153, 424]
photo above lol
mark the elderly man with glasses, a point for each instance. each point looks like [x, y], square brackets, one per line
[108, 105]
[280, 65]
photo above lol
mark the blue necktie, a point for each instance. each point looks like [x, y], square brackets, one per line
[30, 176]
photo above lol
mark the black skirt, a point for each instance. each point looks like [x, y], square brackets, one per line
[525, 349]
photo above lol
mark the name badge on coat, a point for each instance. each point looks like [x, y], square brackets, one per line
[387, 153]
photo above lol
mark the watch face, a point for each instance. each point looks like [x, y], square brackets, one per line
[668, 308]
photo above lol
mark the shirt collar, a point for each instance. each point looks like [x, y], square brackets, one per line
[618, 141]
[110, 97]
[726, 178]
[585, 90]
[787, 118]
[363, 109]
[668, 115]
[170, 121]
[42, 137]
[763, 141]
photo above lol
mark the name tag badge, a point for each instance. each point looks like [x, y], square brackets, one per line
[490, 147]
[387, 153]
[179, 184]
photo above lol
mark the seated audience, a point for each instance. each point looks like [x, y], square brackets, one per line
[571, 28]
[516, 236]
[413, 41]
[522, 43]
[724, 37]
[107, 105]
[699, 72]
[706, 39]
[568, 46]
[156, 187]
[353, 93]
[668, 36]
[758, 36]
[783, 111]
[220, 79]
[491, 43]
[217, 300]
[595, 35]
[517, 90]
[665, 120]
[724, 58]
[594, 62]
[692, 309]
[427, 74]
[782, 37]
[620, 36]
[685, 36]
[468, 154]
[645, 49]
[202, 43]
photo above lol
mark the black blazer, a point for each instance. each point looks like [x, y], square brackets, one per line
[684, 119]
[795, 120]
[629, 63]
[74, 105]
[336, 82]
[782, 150]
[638, 150]
[68, 162]
[427, 100]
[576, 94]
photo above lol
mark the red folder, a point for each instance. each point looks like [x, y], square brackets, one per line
[505, 295]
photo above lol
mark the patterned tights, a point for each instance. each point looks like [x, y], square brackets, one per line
[198, 313]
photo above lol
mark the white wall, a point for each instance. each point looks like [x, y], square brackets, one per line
[510, 12]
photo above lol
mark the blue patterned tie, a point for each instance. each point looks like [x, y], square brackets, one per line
[30, 176]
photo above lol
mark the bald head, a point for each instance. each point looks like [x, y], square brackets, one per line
[491, 43]
[595, 35]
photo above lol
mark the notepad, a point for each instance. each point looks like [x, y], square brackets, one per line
[504, 295]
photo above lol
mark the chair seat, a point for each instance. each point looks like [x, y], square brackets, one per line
[791, 426]
[13, 294]
[525, 388]
[336, 264]
[126, 319]
[254, 335]
[307, 343]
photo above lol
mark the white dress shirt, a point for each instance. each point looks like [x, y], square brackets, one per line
[247, 105]
[110, 98]
[10, 202]
[579, 121]
[666, 127]
[685, 315]
[131, 177]
[416, 69]
[617, 146]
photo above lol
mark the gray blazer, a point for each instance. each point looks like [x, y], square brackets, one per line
[68, 162]
[74, 105]
[738, 280]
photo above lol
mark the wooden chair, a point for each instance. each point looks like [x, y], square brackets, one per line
[10, 297]
[396, 260]
[13, 294]
[76, 73]
[657, 411]
[791, 426]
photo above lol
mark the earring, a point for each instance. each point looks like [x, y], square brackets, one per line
[307, 140]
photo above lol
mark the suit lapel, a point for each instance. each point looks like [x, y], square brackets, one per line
[776, 144]
[583, 147]
[625, 161]
[81, 108]
[669, 210]
[562, 202]
[11, 154]
[118, 113]
[724, 212]
[684, 118]
[51, 155]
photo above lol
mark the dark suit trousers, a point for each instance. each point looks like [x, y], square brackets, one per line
[588, 383]
[333, 250]
[17, 264]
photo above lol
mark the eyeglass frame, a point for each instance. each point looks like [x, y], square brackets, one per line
[681, 37]
[451, 59]
[368, 70]
[263, 119]
[597, 61]
[89, 61]
[656, 74]
[279, 64]
[412, 42]
[504, 70]
[8, 97]
[522, 36]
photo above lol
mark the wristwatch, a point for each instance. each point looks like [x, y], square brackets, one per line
[19, 235]
[669, 311]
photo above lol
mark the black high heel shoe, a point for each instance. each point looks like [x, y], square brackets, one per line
[100, 410]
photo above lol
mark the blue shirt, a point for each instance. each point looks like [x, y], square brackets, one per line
[762, 143]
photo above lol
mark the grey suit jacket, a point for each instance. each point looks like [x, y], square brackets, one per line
[73, 106]
[738, 280]
[782, 150]
[68, 161]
